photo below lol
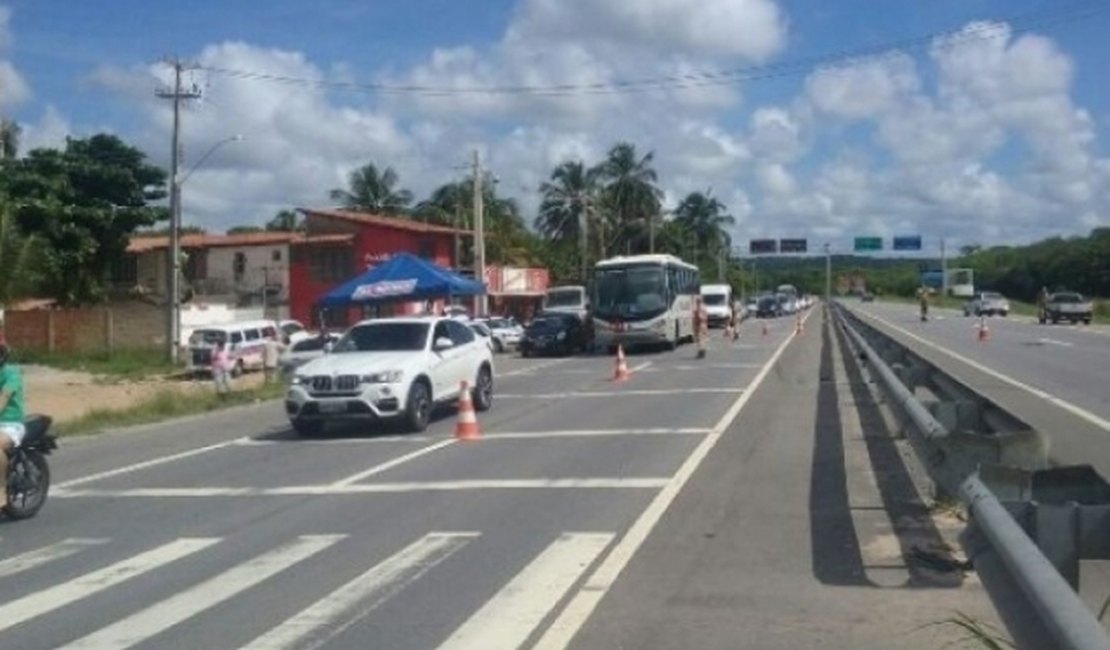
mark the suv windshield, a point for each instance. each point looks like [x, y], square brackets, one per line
[384, 337]
[1067, 297]
[713, 299]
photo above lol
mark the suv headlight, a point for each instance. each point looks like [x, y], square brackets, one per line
[560, 336]
[384, 377]
[300, 380]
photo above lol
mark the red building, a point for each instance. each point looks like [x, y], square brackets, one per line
[340, 244]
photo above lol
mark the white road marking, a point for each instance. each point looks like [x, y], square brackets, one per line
[638, 483]
[163, 615]
[621, 393]
[583, 603]
[390, 464]
[1064, 344]
[643, 366]
[574, 433]
[331, 615]
[45, 555]
[650, 367]
[532, 368]
[509, 618]
[255, 442]
[48, 600]
[127, 469]
[1067, 406]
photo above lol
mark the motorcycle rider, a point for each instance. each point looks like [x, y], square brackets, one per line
[12, 428]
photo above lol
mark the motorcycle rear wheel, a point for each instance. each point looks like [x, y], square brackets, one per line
[28, 485]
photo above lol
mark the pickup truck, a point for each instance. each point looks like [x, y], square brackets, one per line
[1067, 306]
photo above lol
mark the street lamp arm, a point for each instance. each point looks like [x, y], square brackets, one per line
[207, 154]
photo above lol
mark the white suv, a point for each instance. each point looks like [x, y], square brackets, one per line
[389, 369]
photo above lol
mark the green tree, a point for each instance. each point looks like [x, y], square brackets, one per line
[19, 257]
[704, 218]
[448, 205]
[9, 139]
[566, 201]
[372, 190]
[285, 221]
[631, 201]
[83, 203]
[244, 230]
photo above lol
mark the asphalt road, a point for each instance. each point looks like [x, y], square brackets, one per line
[228, 531]
[1056, 377]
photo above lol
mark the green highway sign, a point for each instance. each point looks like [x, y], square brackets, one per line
[869, 243]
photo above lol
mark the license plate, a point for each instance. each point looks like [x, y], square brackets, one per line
[333, 407]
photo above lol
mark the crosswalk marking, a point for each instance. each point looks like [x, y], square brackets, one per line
[512, 615]
[47, 600]
[161, 616]
[45, 555]
[331, 615]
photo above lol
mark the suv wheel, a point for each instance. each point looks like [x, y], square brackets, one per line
[418, 410]
[483, 390]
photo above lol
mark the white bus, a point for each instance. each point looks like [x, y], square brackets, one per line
[644, 300]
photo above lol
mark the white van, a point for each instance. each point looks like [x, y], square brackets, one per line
[717, 299]
[246, 344]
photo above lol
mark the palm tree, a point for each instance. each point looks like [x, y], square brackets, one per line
[19, 256]
[448, 205]
[631, 195]
[285, 221]
[372, 190]
[9, 139]
[567, 199]
[704, 217]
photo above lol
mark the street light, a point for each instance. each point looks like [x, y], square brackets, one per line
[173, 297]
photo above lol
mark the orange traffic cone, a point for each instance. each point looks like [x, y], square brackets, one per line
[984, 331]
[621, 373]
[467, 426]
[799, 328]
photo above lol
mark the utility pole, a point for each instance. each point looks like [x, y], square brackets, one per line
[828, 275]
[458, 241]
[173, 257]
[479, 235]
[651, 234]
[583, 237]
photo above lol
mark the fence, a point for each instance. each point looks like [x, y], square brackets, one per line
[121, 325]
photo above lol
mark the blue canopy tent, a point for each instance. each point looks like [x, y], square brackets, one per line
[405, 277]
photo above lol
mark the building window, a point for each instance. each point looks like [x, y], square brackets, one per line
[239, 266]
[331, 264]
[275, 256]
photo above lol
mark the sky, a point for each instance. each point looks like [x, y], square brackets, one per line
[968, 121]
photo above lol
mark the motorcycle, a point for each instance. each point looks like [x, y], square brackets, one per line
[28, 479]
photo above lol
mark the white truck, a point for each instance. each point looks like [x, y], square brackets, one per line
[717, 299]
[570, 298]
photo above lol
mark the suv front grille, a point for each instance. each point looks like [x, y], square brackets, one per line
[321, 384]
[340, 385]
[346, 382]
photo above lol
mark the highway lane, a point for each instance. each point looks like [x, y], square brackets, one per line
[1065, 361]
[229, 531]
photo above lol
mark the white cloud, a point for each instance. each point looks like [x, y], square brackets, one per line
[866, 89]
[49, 131]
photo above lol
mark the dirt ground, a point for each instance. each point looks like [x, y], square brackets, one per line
[66, 395]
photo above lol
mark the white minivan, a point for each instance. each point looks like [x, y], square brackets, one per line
[246, 344]
[717, 299]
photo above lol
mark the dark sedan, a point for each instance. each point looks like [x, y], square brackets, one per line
[768, 307]
[552, 333]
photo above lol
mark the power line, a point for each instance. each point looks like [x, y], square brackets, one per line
[943, 40]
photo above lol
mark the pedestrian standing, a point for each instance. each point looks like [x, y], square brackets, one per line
[734, 323]
[270, 356]
[701, 323]
[221, 369]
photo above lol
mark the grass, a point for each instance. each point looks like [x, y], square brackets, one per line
[127, 363]
[166, 404]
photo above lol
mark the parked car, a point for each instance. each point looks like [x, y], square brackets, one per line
[483, 332]
[867, 297]
[391, 369]
[987, 303]
[303, 351]
[1068, 305]
[293, 331]
[555, 333]
[506, 333]
[244, 340]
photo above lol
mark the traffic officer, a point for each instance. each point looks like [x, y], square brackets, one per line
[701, 325]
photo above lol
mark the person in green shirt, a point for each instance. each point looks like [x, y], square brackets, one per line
[11, 413]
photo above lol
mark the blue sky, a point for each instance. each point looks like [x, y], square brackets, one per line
[994, 135]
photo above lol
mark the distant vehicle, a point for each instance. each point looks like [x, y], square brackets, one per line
[458, 312]
[644, 300]
[573, 299]
[245, 342]
[293, 331]
[768, 307]
[867, 296]
[1068, 305]
[506, 333]
[391, 369]
[987, 303]
[303, 351]
[484, 332]
[717, 299]
[555, 333]
[789, 303]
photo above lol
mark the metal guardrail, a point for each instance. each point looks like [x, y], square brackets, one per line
[1030, 592]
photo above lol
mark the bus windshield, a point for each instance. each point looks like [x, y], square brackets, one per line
[631, 291]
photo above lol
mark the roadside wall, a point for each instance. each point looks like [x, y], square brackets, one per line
[121, 325]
